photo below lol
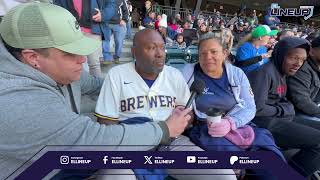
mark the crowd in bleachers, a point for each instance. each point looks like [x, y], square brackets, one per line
[240, 24]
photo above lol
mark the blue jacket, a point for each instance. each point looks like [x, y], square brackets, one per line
[245, 109]
[107, 9]
[247, 52]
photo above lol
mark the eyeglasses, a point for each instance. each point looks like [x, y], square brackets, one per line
[295, 59]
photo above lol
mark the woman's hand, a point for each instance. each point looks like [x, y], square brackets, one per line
[219, 129]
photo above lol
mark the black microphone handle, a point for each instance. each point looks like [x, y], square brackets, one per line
[193, 95]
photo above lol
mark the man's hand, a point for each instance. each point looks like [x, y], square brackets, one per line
[178, 121]
[97, 17]
[266, 55]
[122, 23]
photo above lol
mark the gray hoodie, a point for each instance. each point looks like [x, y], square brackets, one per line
[34, 113]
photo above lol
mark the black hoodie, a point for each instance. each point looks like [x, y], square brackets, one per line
[269, 85]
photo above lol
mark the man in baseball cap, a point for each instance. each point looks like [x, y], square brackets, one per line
[263, 30]
[42, 50]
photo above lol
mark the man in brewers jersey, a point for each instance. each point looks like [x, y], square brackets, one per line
[148, 88]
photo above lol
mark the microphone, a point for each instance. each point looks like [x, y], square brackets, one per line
[196, 88]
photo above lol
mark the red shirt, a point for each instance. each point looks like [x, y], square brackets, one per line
[78, 7]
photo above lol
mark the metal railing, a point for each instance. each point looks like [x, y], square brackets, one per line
[171, 11]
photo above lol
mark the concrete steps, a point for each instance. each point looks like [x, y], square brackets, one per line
[126, 55]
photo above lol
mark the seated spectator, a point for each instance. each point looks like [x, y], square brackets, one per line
[227, 89]
[203, 29]
[156, 24]
[135, 18]
[172, 23]
[313, 36]
[304, 86]
[178, 19]
[269, 20]
[150, 77]
[239, 33]
[149, 21]
[253, 19]
[190, 20]
[276, 113]
[222, 24]
[271, 43]
[179, 42]
[190, 35]
[166, 32]
[253, 53]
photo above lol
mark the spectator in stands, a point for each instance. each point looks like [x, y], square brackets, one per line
[178, 19]
[189, 34]
[83, 14]
[203, 29]
[239, 33]
[253, 19]
[285, 33]
[304, 86]
[186, 25]
[253, 53]
[190, 20]
[227, 89]
[128, 24]
[149, 21]
[114, 24]
[179, 42]
[135, 18]
[147, 8]
[166, 32]
[299, 33]
[156, 24]
[271, 43]
[269, 20]
[222, 24]
[276, 113]
[172, 23]
[313, 36]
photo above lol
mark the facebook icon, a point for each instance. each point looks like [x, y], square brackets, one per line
[105, 159]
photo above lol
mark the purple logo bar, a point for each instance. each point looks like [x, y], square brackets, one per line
[160, 160]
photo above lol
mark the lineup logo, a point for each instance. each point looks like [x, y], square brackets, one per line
[243, 160]
[73, 160]
[305, 11]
